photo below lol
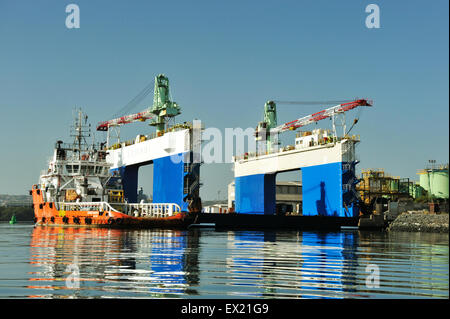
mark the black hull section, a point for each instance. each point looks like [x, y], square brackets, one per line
[254, 221]
[143, 223]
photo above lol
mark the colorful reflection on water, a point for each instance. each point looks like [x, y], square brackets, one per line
[38, 263]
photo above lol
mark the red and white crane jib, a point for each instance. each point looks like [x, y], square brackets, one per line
[141, 116]
[341, 108]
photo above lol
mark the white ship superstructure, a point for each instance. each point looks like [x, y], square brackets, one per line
[78, 172]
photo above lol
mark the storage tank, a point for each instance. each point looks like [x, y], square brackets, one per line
[424, 180]
[439, 183]
[435, 182]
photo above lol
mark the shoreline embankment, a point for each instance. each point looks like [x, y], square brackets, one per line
[420, 221]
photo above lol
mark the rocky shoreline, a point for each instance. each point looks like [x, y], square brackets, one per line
[418, 221]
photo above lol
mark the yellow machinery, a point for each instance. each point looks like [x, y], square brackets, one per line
[375, 183]
[115, 196]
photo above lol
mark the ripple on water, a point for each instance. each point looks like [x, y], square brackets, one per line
[40, 262]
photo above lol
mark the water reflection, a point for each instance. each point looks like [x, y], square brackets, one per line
[335, 265]
[235, 264]
[314, 265]
[113, 263]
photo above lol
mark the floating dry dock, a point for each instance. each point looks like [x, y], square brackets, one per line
[327, 162]
[328, 177]
[107, 176]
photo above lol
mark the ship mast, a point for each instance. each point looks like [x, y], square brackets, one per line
[79, 134]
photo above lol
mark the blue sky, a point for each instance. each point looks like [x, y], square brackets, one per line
[224, 60]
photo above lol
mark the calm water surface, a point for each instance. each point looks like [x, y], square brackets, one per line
[39, 263]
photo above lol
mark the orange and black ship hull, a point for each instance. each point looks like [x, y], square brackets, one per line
[46, 214]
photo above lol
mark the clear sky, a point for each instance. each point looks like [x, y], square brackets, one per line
[224, 60]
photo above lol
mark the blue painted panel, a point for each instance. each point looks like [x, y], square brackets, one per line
[255, 194]
[129, 175]
[322, 190]
[168, 181]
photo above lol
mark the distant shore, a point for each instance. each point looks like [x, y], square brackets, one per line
[22, 213]
[416, 221]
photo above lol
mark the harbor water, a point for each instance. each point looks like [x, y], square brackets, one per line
[50, 262]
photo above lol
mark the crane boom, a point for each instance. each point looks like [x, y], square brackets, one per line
[141, 116]
[312, 118]
[161, 110]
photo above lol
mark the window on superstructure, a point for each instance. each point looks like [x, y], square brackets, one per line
[75, 169]
[90, 170]
[69, 169]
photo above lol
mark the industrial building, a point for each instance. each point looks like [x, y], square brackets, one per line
[433, 184]
[377, 187]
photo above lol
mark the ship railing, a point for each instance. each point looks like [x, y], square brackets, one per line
[159, 210]
[87, 206]
[143, 138]
[321, 142]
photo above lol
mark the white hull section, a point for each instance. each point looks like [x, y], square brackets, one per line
[171, 143]
[343, 151]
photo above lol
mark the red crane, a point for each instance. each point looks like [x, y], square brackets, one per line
[141, 116]
[338, 109]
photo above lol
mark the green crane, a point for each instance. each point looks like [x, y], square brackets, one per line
[269, 122]
[162, 107]
[161, 110]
